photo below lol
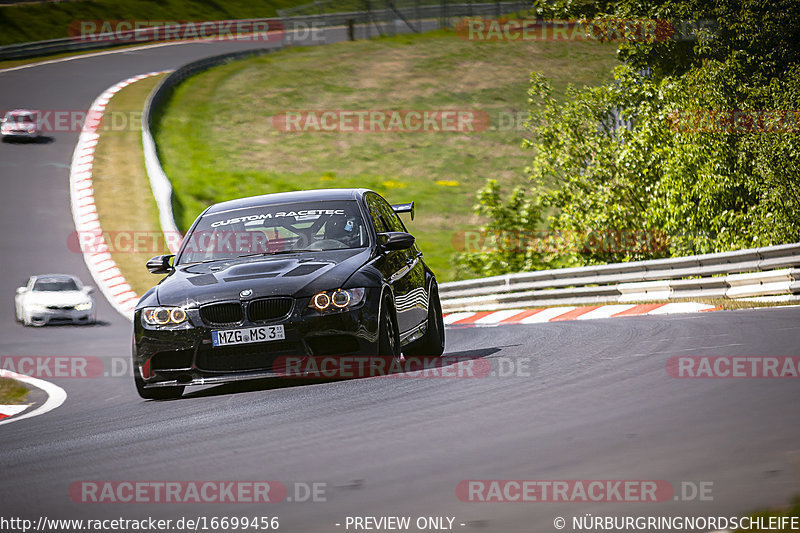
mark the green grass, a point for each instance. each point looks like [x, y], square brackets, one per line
[12, 391]
[217, 142]
[123, 197]
[39, 22]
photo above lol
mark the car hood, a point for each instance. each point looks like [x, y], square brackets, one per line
[62, 298]
[282, 275]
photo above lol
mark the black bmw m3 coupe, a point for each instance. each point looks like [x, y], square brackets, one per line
[303, 274]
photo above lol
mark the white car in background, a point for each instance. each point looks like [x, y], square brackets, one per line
[54, 298]
[20, 124]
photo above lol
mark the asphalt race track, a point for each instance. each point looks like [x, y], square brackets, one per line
[592, 400]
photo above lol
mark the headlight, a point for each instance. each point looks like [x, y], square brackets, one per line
[37, 307]
[85, 306]
[163, 316]
[338, 299]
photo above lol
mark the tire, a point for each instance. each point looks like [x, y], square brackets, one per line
[432, 342]
[158, 393]
[388, 335]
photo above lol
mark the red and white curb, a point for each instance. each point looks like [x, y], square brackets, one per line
[55, 397]
[104, 270]
[557, 314]
[11, 410]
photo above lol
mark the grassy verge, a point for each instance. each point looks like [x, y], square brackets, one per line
[39, 22]
[12, 391]
[125, 204]
[217, 140]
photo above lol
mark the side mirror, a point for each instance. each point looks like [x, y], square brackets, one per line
[20, 290]
[396, 240]
[160, 264]
[88, 290]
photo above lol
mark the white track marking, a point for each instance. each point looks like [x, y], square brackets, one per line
[680, 307]
[55, 395]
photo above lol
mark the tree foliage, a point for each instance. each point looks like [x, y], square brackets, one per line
[651, 152]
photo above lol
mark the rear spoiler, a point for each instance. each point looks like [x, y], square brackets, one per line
[404, 208]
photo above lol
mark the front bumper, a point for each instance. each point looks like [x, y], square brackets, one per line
[43, 317]
[186, 356]
[20, 134]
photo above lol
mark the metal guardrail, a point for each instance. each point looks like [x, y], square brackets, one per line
[768, 271]
[385, 16]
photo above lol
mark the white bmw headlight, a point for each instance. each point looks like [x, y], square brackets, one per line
[163, 316]
[338, 299]
[85, 306]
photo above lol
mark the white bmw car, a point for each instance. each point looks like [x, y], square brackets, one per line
[20, 124]
[54, 298]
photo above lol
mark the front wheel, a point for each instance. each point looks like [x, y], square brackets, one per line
[432, 342]
[388, 336]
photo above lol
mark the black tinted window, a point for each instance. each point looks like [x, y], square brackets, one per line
[55, 285]
[314, 226]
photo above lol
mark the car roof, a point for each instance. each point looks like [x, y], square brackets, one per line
[314, 195]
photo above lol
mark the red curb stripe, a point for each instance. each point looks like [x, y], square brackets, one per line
[520, 316]
[641, 309]
[473, 318]
[575, 313]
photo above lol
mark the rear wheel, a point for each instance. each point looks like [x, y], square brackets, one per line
[432, 342]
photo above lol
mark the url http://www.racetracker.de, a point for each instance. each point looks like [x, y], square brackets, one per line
[588, 522]
[145, 525]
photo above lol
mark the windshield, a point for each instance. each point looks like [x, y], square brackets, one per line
[55, 285]
[274, 229]
[20, 118]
